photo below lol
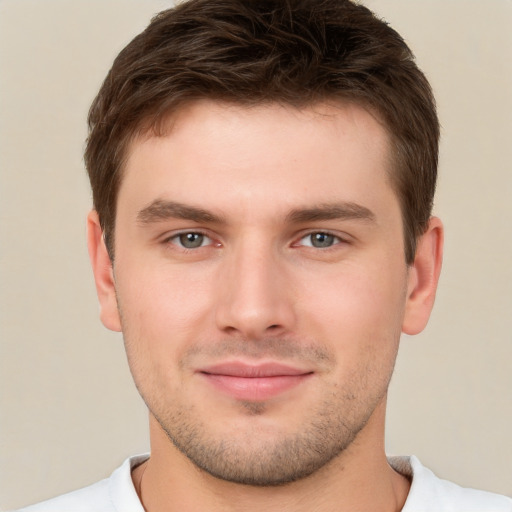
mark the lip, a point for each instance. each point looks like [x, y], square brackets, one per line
[250, 382]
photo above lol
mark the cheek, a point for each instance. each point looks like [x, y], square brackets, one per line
[161, 313]
[361, 323]
[161, 300]
[358, 308]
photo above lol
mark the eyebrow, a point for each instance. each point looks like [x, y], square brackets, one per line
[334, 211]
[161, 210]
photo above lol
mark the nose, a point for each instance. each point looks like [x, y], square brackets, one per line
[255, 294]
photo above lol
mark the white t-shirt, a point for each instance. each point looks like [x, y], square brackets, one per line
[427, 494]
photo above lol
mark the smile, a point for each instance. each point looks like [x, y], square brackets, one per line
[254, 382]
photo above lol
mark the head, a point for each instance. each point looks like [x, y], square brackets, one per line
[298, 53]
[263, 175]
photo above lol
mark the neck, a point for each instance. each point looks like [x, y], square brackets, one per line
[359, 479]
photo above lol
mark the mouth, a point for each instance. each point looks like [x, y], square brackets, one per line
[254, 383]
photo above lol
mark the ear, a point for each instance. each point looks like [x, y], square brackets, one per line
[423, 278]
[103, 273]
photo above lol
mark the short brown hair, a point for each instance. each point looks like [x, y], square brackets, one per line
[249, 52]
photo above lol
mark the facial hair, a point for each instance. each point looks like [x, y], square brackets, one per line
[262, 454]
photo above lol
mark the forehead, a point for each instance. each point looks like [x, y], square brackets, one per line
[223, 155]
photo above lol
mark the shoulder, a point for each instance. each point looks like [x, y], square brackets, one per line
[95, 497]
[429, 493]
[113, 494]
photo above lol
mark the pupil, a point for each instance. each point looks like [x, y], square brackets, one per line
[191, 240]
[322, 240]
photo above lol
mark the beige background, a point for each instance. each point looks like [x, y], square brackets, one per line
[69, 412]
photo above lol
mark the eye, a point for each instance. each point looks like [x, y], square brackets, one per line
[319, 240]
[191, 240]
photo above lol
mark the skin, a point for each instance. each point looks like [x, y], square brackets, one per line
[257, 189]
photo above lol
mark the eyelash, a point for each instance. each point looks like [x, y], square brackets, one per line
[337, 239]
[175, 240]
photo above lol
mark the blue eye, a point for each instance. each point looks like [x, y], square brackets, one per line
[320, 240]
[191, 240]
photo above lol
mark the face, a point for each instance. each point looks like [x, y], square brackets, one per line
[260, 284]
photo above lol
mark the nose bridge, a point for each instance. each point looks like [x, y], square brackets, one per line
[253, 295]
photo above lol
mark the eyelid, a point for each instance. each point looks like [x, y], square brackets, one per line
[169, 238]
[341, 238]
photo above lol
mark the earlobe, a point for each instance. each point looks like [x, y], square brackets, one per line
[103, 273]
[423, 278]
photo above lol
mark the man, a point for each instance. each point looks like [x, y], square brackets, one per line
[263, 176]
